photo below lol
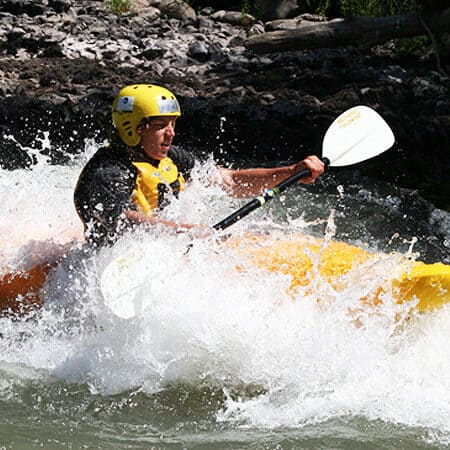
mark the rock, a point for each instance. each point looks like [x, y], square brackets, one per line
[153, 53]
[304, 20]
[62, 61]
[199, 50]
[15, 34]
[60, 6]
[178, 9]
[142, 4]
[52, 51]
[257, 28]
[283, 24]
[206, 11]
[150, 13]
[234, 18]
[32, 8]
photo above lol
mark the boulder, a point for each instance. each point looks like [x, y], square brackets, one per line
[178, 9]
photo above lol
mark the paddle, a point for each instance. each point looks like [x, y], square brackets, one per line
[356, 135]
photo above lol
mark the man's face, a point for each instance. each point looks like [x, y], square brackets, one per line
[157, 136]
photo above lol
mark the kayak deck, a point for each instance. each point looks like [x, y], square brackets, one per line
[305, 259]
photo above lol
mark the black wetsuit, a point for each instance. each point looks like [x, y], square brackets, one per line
[105, 188]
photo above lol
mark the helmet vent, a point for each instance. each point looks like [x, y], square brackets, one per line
[128, 127]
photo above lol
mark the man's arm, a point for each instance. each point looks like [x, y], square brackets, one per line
[248, 182]
[138, 217]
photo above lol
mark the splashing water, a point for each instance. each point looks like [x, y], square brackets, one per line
[223, 353]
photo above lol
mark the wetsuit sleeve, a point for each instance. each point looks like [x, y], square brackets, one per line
[111, 190]
[102, 194]
[183, 160]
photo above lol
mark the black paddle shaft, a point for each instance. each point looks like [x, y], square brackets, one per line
[264, 198]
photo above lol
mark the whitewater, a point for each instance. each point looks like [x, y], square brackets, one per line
[223, 356]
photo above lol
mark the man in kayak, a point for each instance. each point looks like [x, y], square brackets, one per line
[128, 181]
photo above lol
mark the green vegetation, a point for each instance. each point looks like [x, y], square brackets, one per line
[246, 7]
[335, 8]
[376, 7]
[321, 7]
[351, 8]
[416, 46]
[120, 6]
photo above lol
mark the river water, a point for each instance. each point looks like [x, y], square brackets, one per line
[222, 358]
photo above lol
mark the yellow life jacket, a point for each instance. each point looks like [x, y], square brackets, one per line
[152, 183]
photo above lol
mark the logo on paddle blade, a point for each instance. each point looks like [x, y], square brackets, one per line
[347, 119]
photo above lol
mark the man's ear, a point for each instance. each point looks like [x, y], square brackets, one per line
[143, 126]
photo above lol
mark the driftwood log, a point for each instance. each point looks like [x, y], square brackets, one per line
[358, 31]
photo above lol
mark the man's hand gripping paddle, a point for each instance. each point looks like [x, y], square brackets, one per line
[358, 134]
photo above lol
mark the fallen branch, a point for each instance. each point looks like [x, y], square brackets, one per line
[360, 31]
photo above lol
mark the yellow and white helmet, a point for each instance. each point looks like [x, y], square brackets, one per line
[139, 101]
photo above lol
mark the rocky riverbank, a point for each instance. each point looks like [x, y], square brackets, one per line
[62, 61]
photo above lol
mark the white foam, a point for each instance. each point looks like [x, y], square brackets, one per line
[208, 322]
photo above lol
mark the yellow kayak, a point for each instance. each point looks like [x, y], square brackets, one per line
[306, 259]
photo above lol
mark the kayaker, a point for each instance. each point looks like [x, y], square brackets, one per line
[129, 180]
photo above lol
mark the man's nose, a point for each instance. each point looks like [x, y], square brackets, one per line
[170, 129]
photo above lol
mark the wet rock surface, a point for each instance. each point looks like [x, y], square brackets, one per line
[62, 61]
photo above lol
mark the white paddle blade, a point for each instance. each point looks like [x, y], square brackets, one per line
[121, 285]
[357, 134]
